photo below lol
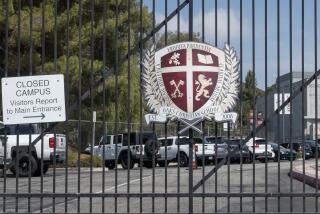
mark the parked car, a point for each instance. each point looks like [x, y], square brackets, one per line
[285, 154]
[203, 150]
[222, 146]
[149, 150]
[237, 150]
[175, 146]
[54, 147]
[315, 145]
[258, 149]
[209, 152]
[304, 148]
[98, 146]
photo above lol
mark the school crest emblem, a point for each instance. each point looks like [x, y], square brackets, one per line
[190, 81]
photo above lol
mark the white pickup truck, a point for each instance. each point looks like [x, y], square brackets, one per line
[14, 138]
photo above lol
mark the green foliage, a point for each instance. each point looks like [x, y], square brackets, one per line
[249, 92]
[84, 46]
[172, 37]
[85, 160]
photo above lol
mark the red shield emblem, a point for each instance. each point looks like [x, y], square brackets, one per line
[189, 76]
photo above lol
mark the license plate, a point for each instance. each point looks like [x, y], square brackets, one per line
[210, 158]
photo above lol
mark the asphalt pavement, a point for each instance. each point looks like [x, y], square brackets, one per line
[254, 179]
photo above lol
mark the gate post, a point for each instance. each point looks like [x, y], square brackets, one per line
[190, 170]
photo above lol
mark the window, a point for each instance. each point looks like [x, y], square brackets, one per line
[134, 138]
[5, 130]
[183, 141]
[24, 129]
[197, 140]
[163, 142]
[108, 140]
[260, 141]
[213, 140]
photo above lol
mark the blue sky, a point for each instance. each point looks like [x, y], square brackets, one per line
[247, 58]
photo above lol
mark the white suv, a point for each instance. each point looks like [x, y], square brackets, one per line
[172, 150]
[180, 145]
[259, 146]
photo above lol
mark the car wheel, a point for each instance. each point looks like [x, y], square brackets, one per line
[110, 165]
[184, 160]
[23, 166]
[200, 163]
[124, 161]
[163, 163]
[45, 168]
[250, 158]
[148, 164]
[246, 160]
[263, 160]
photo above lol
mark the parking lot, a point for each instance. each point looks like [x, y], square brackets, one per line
[57, 184]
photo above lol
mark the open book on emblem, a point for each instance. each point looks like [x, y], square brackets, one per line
[205, 59]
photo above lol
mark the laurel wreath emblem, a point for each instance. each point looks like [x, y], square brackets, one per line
[228, 93]
[150, 84]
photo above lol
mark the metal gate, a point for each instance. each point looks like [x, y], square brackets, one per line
[99, 47]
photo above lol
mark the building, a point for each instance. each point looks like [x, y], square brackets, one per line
[303, 115]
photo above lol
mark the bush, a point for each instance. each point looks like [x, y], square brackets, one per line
[299, 155]
[85, 160]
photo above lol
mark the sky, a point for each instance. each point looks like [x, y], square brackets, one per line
[265, 68]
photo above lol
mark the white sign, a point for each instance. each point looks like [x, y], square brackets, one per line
[33, 99]
[284, 96]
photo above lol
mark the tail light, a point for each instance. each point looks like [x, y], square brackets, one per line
[256, 145]
[196, 148]
[52, 142]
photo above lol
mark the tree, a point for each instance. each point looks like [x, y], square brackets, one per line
[172, 37]
[55, 57]
[53, 49]
[248, 96]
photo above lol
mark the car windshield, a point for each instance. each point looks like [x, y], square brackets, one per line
[274, 146]
[213, 140]
[312, 143]
[260, 141]
[234, 142]
[183, 141]
[22, 129]
[163, 142]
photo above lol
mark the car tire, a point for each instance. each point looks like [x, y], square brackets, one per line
[22, 169]
[151, 147]
[110, 165]
[245, 160]
[148, 164]
[163, 163]
[263, 160]
[200, 163]
[45, 168]
[251, 159]
[184, 160]
[124, 161]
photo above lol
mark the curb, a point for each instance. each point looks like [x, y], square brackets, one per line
[309, 176]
